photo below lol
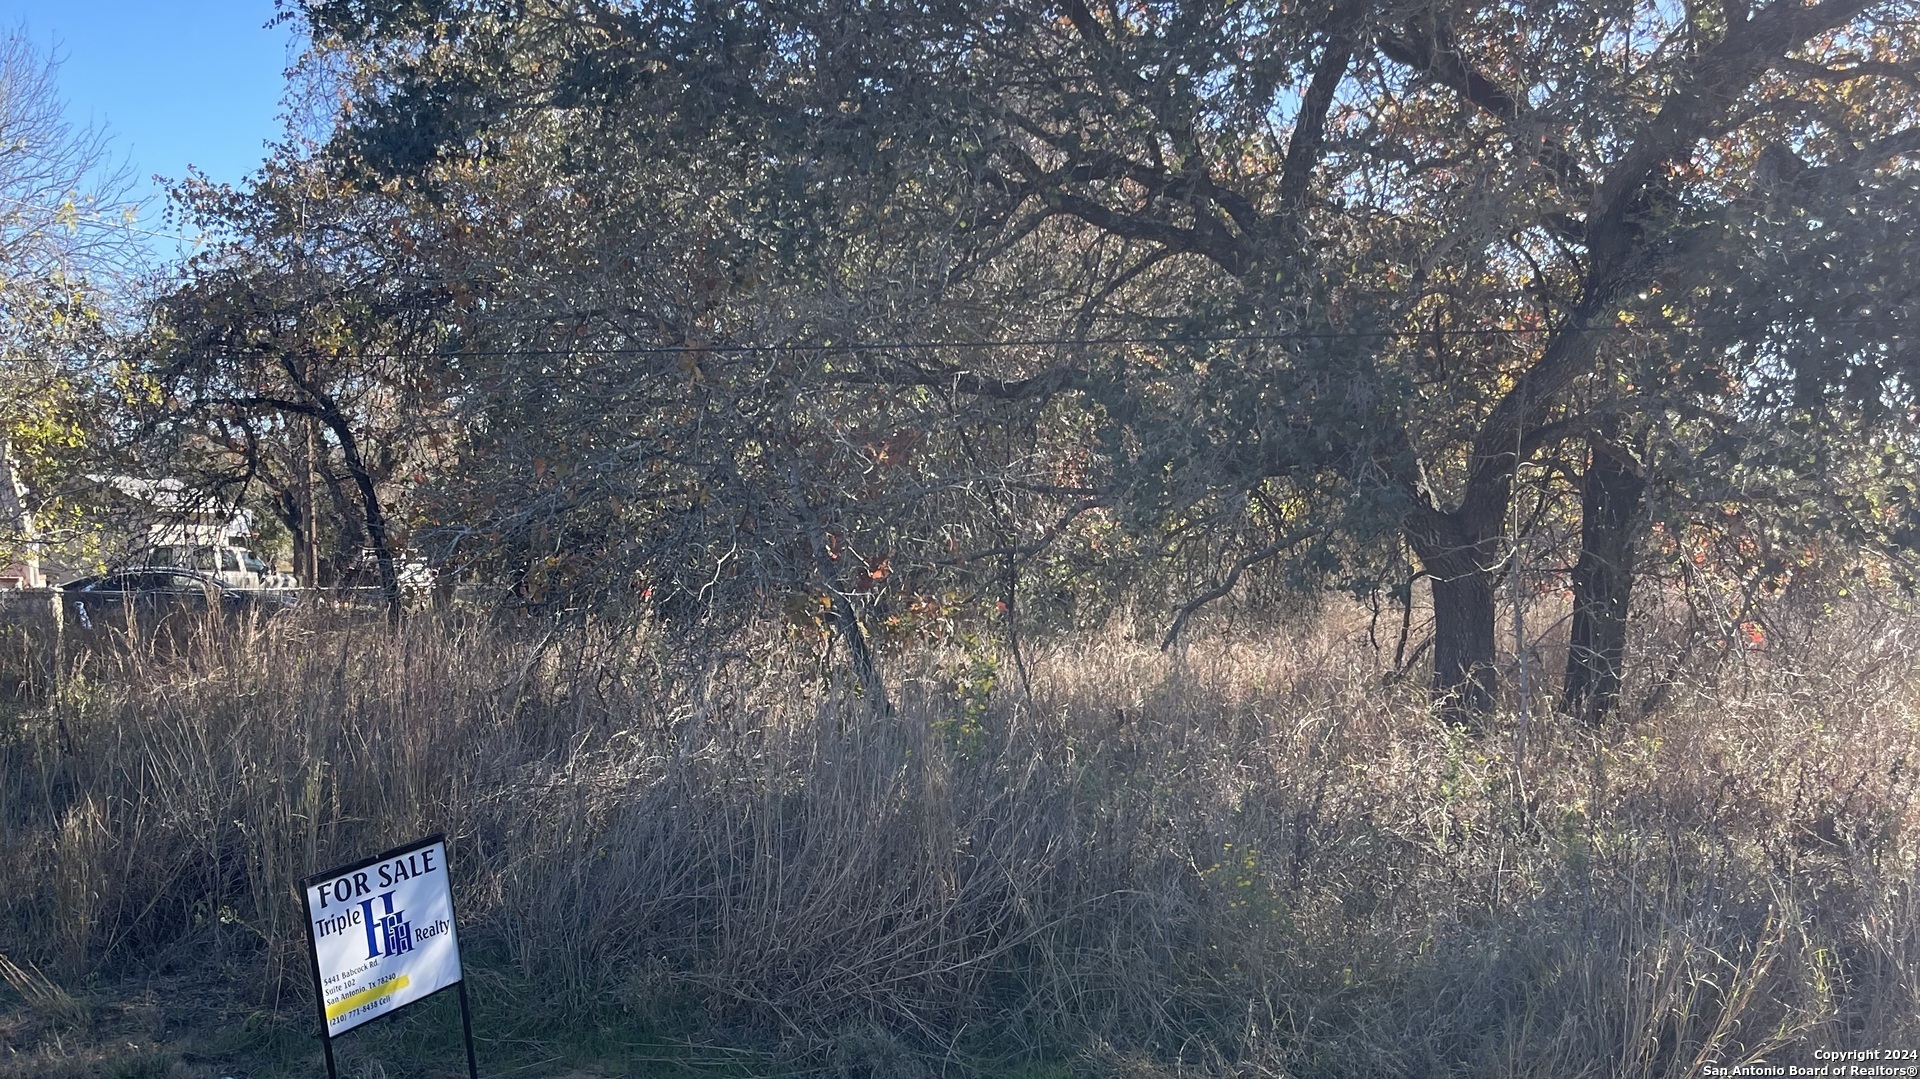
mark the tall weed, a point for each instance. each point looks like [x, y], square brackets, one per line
[1250, 857]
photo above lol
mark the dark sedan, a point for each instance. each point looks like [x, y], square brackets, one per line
[150, 591]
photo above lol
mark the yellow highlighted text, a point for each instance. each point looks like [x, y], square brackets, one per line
[365, 996]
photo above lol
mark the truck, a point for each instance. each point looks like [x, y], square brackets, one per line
[233, 567]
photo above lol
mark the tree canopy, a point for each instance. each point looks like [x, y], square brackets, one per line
[717, 303]
[65, 252]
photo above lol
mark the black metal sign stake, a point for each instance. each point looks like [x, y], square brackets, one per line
[319, 993]
[466, 1024]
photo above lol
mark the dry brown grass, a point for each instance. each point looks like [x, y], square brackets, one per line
[1247, 859]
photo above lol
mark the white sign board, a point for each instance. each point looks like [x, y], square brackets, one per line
[382, 933]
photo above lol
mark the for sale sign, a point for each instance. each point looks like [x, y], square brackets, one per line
[382, 933]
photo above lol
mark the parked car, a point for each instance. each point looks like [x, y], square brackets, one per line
[154, 592]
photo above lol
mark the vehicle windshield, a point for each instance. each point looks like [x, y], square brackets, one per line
[146, 581]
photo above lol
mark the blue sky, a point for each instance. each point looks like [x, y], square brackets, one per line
[175, 83]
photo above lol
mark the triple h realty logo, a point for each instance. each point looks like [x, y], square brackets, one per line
[382, 933]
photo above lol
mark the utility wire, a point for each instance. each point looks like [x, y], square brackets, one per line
[1056, 342]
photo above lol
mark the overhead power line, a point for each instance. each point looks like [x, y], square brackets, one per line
[1107, 341]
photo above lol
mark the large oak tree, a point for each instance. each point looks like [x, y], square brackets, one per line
[1318, 269]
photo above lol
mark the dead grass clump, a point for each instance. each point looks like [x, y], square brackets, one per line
[1247, 858]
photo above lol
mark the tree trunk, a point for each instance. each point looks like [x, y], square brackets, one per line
[376, 520]
[306, 550]
[352, 533]
[1463, 655]
[1602, 581]
[866, 670]
[1464, 676]
[325, 410]
[23, 544]
[373, 516]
